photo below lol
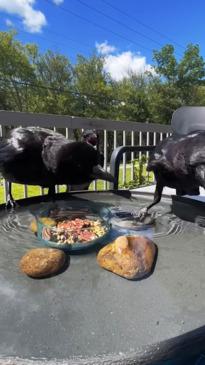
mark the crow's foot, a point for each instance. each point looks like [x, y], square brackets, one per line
[10, 202]
[142, 214]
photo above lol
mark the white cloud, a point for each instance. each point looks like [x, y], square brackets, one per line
[104, 48]
[9, 23]
[121, 65]
[33, 20]
[58, 2]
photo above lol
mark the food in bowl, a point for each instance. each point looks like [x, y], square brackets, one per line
[71, 231]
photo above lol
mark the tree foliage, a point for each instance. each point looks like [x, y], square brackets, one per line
[179, 81]
[48, 82]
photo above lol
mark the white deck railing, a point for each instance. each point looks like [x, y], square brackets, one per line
[112, 134]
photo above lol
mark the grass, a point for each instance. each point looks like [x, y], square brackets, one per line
[18, 189]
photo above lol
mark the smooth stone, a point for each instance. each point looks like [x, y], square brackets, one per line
[131, 257]
[42, 262]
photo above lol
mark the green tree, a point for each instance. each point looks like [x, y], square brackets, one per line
[15, 70]
[54, 74]
[184, 75]
[93, 87]
[48, 82]
[166, 63]
[191, 70]
[132, 93]
[163, 100]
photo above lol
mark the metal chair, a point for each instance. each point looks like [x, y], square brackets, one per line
[188, 119]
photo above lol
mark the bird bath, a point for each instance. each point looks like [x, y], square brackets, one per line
[87, 315]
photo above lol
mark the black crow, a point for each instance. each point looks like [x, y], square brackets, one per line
[37, 156]
[91, 137]
[178, 162]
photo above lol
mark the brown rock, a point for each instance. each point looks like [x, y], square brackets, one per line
[42, 262]
[129, 256]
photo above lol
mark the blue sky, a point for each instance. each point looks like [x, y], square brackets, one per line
[71, 28]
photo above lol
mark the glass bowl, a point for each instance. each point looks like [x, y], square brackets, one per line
[72, 229]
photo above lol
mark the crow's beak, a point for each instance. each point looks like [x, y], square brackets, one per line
[99, 173]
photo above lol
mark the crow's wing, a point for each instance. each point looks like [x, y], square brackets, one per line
[6, 150]
[51, 150]
[21, 154]
[23, 145]
[162, 156]
[196, 149]
[179, 153]
[29, 138]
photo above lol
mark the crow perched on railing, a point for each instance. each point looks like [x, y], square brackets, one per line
[38, 156]
[178, 162]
